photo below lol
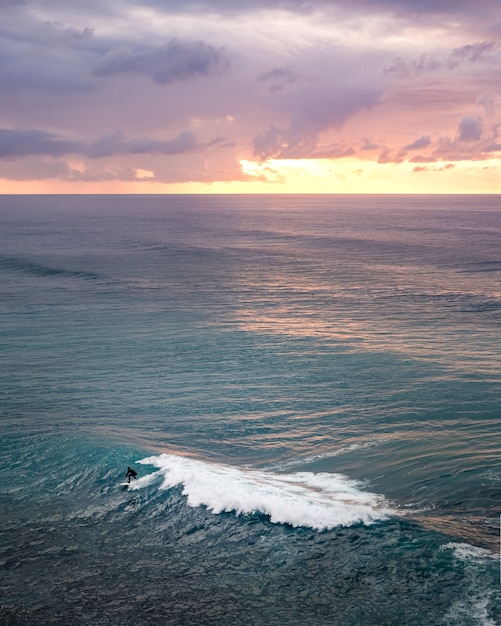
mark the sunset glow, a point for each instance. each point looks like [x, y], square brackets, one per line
[338, 97]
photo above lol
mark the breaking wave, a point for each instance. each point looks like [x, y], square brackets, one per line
[321, 501]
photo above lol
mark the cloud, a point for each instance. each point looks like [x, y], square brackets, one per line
[116, 143]
[426, 63]
[57, 169]
[470, 128]
[177, 60]
[69, 34]
[285, 144]
[35, 168]
[403, 69]
[368, 146]
[121, 173]
[493, 147]
[278, 78]
[420, 158]
[21, 143]
[5, 4]
[399, 7]
[471, 52]
[42, 57]
[386, 156]
[469, 144]
[308, 79]
[312, 111]
[487, 101]
[422, 142]
[425, 168]
[418, 8]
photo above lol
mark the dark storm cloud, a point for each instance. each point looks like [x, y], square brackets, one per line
[177, 60]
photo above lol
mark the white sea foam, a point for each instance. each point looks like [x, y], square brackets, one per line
[466, 552]
[319, 501]
[475, 606]
[472, 610]
[143, 481]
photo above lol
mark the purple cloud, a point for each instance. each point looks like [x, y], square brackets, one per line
[470, 128]
[403, 69]
[278, 78]
[177, 60]
[116, 144]
[471, 52]
[422, 142]
[306, 81]
[68, 34]
[22, 143]
[400, 7]
[311, 112]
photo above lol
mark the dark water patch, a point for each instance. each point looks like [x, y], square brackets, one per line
[482, 266]
[36, 269]
[199, 568]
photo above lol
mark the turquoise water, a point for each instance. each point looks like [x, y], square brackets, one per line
[307, 386]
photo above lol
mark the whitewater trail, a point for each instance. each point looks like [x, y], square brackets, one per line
[321, 501]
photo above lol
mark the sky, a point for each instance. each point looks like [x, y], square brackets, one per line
[250, 96]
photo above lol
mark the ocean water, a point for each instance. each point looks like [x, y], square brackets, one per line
[308, 387]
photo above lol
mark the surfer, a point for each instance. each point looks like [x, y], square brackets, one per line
[130, 472]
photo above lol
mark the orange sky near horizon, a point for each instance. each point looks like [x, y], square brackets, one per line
[302, 177]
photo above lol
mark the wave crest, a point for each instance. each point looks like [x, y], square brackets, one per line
[321, 501]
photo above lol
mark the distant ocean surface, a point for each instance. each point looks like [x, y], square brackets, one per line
[308, 387]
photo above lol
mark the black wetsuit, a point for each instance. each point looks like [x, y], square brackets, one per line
[130, 472]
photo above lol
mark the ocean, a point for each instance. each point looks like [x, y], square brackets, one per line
[307, 386]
